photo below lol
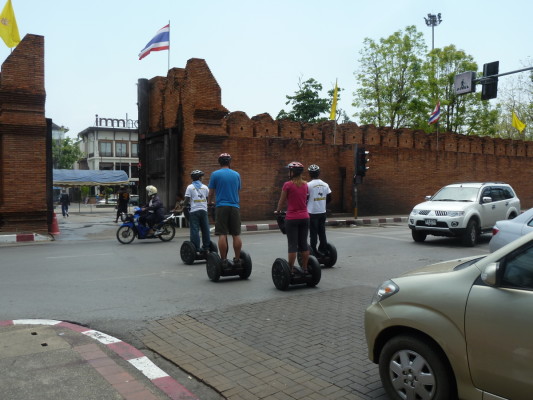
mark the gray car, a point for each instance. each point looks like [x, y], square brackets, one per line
[506, 231]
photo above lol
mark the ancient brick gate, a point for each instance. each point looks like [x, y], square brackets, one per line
[184, 126]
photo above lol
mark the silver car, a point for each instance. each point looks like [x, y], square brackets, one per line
[458, 329]
[506, 231]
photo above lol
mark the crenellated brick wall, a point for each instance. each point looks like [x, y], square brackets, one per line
[405, 164]
[24, 176]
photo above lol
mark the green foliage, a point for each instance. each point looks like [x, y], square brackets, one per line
[390, 78]
[307, 105]
[65, 153]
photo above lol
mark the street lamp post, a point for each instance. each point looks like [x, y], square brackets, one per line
[433, 20]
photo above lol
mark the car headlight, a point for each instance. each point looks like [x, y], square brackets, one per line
[386, 289]
[456, 213]
[415, 212]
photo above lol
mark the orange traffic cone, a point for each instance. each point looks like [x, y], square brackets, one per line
[54, 228]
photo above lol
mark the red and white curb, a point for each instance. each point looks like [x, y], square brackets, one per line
[23, 237]
[156, 375]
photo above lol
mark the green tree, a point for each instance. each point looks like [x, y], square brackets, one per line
[390, 79]
[307, 105]
[65, 153]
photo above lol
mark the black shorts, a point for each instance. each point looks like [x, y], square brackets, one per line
[297, 231]
[227, 221]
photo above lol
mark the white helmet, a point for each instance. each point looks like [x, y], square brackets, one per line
[151, 190]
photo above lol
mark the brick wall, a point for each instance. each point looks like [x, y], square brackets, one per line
[23, 140]
[405, 164]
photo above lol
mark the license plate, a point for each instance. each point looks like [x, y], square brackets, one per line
[431, 222]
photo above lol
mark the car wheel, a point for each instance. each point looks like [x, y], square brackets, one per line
[469, 238]
[125, 234]
[418, 236]
[410, 368]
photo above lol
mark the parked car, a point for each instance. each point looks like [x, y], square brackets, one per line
[110, 200]
[506, 231]
[464, 210]
[457, 329]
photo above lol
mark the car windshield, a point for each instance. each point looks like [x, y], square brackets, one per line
[456, 193]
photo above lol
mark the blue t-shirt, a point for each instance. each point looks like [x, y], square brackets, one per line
[227, 184]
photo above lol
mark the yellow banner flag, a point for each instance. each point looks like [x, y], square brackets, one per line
[518, 124]
[333, 114]
[9, 31]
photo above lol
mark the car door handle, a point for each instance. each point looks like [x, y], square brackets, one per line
[493, 206]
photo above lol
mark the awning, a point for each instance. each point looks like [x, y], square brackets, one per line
[79, 177]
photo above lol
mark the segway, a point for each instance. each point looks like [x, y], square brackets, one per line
[189, 253]
[216, 267]
[283, 277]
[327, 259]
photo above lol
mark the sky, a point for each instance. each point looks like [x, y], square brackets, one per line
[256, 50]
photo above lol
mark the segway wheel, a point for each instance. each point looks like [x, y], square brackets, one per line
[188, 252]
[213, 247]
[246, 262]
[281, 274]
[213, 266]
[313, 266]
[169, 231]
[331, 257]
[125, 234]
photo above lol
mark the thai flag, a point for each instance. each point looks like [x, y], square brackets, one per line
[435, 115]
[161, 41]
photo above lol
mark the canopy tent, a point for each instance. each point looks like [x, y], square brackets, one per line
[78, 177]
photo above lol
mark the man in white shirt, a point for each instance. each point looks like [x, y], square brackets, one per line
[196, 198]
[319, 196]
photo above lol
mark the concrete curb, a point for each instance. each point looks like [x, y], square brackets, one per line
[172, 388]
[24, 237]
[335, 222]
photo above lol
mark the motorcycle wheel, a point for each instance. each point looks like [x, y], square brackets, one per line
[169, 231]
[125, 234]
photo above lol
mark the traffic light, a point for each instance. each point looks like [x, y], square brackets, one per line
[489, 89]
[361, 160]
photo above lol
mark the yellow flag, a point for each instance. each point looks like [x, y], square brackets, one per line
[9, 30]
[518, 124]
[333, 114]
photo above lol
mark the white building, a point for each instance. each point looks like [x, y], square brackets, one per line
[111, 147]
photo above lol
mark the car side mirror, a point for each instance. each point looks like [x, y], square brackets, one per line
[490, 274]
[428, 198]
[486, 199]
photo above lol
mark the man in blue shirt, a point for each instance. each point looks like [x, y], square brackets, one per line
[224, 186]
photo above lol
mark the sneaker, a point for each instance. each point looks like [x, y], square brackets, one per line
[237, 262]
[225, 263]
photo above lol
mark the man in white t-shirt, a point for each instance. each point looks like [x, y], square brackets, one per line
[196, 198]
[319, 196]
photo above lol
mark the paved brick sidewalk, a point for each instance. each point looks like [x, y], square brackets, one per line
[309, 346]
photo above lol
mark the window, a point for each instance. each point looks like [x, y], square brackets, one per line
[121, 149]
[134, 171]
[518, 271]
[105, 149]
[134, 149]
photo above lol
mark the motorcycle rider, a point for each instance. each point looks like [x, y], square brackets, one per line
[196, 196]
[153, 212]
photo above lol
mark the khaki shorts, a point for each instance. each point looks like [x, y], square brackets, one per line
[227, 221]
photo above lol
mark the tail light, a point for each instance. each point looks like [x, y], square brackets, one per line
[495, 230]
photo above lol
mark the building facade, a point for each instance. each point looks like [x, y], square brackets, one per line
[111, 148]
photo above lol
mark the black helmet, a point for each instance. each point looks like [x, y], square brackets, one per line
[224, 159]
[295, 168]
[196, 174]
[314, 170]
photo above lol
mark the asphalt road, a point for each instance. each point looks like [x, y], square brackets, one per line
[89, 278]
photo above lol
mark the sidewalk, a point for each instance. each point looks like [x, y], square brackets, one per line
[54, 360]
[105, 216]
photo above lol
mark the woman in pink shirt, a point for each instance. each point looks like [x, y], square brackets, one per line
[294, 194]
